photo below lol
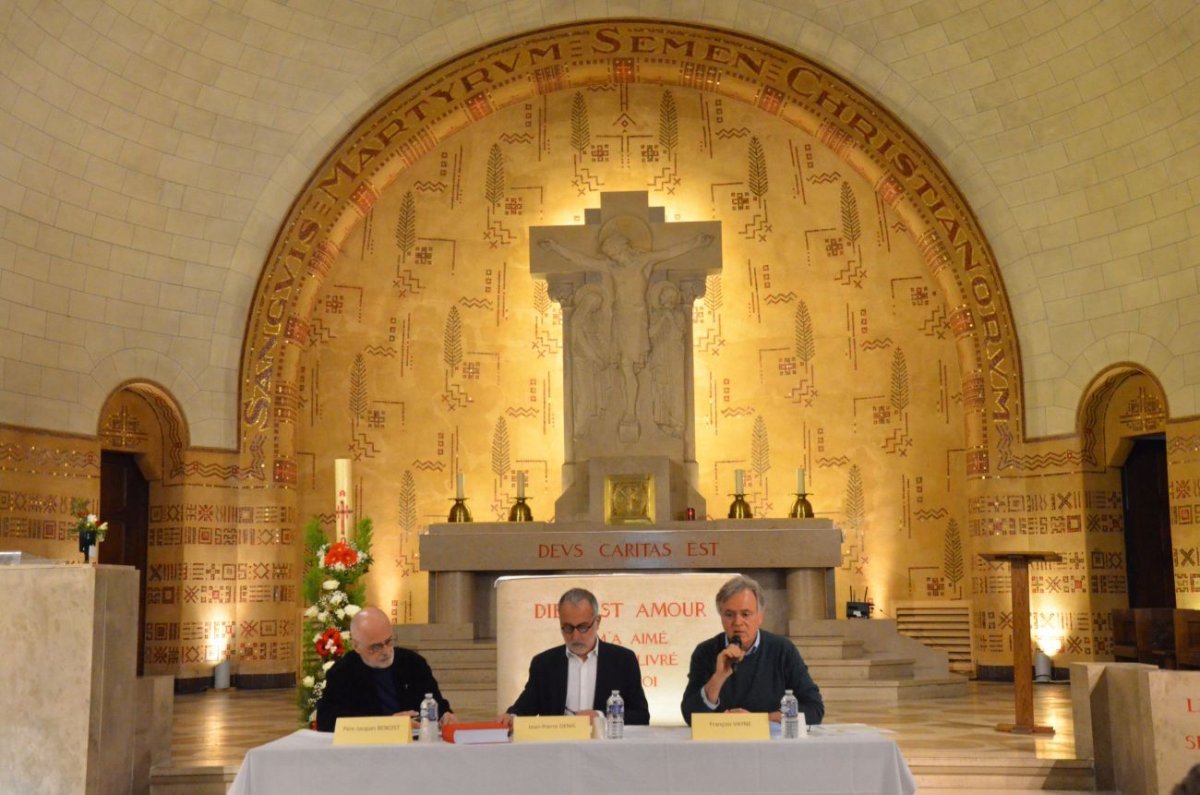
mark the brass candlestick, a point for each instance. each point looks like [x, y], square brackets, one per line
[520, 512]
[458, 511]
[739, 508]
[801, 508]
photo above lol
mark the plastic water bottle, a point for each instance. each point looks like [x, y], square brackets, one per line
[789, 716]
[429, 719]
[614, 714]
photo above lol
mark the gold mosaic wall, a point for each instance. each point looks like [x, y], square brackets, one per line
[859, 329]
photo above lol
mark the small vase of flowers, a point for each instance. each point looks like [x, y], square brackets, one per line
[88, 527]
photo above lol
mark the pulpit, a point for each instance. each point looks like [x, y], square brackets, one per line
[1022, 642]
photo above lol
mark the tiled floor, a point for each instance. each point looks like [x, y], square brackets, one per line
[218, 727]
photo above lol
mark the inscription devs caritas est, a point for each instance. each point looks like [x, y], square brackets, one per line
[628, 550]
[412, 123]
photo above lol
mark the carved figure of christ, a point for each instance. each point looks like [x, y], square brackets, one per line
[627, 271]
[610, 275]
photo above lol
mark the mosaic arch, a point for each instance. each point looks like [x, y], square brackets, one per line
[412, 123]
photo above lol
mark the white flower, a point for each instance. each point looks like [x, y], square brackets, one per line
[308, 681]
[341, 614]
[92, 518]
[330, 585]
[323, 616]
[328, 665]
[338, 597]
[317, 637]
[346, 637]
[352, 609]
[311, 612]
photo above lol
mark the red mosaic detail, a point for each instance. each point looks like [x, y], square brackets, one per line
[479, 107]
[322, 258]
[770, 99]
[624, 70]
[934, 253]
[890, 190]
[284, 471]
[973, 391]
[961, 322]
[296, 331]
[550, 79]
[364, 197]
[834, 137]
[977, 462]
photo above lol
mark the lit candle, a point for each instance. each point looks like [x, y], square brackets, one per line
[460, 484]
[800, 480]
[737, 482]
[520, 485]
[342, 510]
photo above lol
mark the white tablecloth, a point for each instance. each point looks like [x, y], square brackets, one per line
[652, 760]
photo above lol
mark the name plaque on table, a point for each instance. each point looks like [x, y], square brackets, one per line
[731, 726]
[551, 728]
[388, 730]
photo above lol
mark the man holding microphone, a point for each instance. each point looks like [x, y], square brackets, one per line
[745, 668]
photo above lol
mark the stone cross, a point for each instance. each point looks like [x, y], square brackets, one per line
[626, 281]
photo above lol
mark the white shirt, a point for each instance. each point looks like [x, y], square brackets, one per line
[581, 680]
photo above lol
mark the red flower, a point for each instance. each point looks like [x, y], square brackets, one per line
[340, 552]
[330, 643]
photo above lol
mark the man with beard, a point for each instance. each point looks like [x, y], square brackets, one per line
[577, 677]
[377, 678]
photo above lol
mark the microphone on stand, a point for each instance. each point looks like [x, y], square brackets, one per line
[733, 664]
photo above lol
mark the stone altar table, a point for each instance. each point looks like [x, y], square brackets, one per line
[793, 558]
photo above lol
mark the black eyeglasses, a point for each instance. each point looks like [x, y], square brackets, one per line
[570, 629]
[375, 648]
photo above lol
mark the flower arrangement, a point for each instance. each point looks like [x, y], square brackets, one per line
[333, 593]
[86, 522]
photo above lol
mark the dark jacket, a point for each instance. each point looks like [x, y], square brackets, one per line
[350, 690]
[758, 683]
[617, 668]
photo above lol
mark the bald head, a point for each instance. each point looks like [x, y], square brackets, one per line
[371, 631]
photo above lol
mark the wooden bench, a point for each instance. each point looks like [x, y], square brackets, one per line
[1187, 638]
[1124, 636]
[1145, 635]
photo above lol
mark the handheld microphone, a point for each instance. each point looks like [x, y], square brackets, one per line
[733, 664]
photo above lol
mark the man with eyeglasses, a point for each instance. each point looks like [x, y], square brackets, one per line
[577, 677]
[745, 668]
[377, 678]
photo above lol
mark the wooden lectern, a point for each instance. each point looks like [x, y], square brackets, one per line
[1022, 643]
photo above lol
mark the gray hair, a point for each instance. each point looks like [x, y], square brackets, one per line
[738, 584]
[577, 595]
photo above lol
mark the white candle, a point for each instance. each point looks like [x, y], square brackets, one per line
[342, 508]
[460, 486]
[800, 480]
[520, 484]
[737, 482]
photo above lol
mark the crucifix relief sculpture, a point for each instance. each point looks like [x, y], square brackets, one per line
[626, 281]
[626, 272]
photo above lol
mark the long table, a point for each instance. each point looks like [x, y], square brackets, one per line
[833, 760]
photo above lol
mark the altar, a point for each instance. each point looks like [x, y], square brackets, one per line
[793, 559]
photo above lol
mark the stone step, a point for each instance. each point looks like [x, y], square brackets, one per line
[828, 670]
[996, 775]
[448, 676]
[892, 691]
[828, 647]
